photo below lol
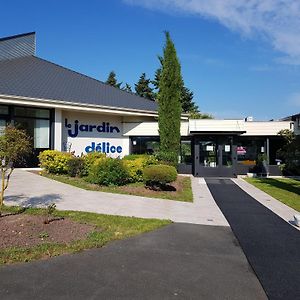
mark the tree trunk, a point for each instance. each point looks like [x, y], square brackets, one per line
[2, 189]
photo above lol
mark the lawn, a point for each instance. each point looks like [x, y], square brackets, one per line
[286, 190]
[102, 229]
[182, 185]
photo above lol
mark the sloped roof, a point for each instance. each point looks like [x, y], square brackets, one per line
[33, 77]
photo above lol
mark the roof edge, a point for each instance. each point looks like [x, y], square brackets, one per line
[17, 36]
[67, 103]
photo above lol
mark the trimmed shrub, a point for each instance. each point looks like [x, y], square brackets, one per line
[89, 159]
[135, 163]
[167, 158]
[75, 166]
[159, 175]
[55, 162]
[108, 171]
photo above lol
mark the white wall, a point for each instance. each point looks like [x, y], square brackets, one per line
[149, 128]
[58, 129]
[92, 137]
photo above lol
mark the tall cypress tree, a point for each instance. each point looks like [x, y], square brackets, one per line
[112, 80]
[169, 106]
[143, 89]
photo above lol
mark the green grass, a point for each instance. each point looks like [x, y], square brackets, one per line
[112, 228]
[137, 189]
[285, 190]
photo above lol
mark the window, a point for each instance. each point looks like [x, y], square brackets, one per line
[32, 112]
[4, 110]
[248, 150]
[144, 145]
[186, 152]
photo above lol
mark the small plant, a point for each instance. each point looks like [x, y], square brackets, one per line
[15, 144]
[158, 176]
[49, 213]
[43, 235]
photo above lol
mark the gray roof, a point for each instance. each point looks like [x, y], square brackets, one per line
[17, 46]
[33, 77]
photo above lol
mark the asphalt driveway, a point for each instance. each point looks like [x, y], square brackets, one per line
[271, 245]
[179, 261]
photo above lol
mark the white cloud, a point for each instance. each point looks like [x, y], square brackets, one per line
[294, 99]
[277, 21]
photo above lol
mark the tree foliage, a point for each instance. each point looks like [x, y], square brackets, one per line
[127, 88]
[112, 80]
[14, 146]
[169, 105]
[143, 89]
[188, 104]
[290, 152]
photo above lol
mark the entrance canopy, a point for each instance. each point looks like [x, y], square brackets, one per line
[211, 126]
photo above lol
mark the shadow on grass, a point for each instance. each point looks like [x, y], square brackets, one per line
[287, 186]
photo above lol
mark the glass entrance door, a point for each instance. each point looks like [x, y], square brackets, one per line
[214, 156]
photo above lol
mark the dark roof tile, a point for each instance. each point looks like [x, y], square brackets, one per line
[34, 77]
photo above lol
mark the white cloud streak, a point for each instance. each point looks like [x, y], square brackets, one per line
[277, 21]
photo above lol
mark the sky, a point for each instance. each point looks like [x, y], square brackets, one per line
[239, 57]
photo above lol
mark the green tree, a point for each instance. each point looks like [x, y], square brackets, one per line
[186, 98]
[188, 105]
[127, 88]
[112, 80]
[143, 89]
[199, 115]
[169, 106]
[14, 145]
[290, 152]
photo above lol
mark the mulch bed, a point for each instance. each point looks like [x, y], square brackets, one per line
[25, 230]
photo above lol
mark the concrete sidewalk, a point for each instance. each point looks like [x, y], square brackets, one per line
[283, 211]
[28, 189]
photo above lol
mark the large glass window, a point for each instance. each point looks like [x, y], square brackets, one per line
[186, 152]
[2, 126]
[144, 145]
[248, 150]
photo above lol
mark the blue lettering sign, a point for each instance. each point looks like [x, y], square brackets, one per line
[103, 147]
[104, 127]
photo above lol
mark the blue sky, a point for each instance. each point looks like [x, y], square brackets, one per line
[238, 58]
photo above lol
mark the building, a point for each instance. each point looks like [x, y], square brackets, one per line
[68, 111]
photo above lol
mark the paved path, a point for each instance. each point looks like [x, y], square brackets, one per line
[179, 261]
[285, 212]
[29, 189]
[271, 245]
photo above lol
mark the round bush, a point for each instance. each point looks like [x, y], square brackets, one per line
[108, 171]
[135, 164]
[159, 174]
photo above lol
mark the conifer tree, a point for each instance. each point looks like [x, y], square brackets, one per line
[187, 102]
[143, 89]
[169, 106]
[112, 80]
[127, 88]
